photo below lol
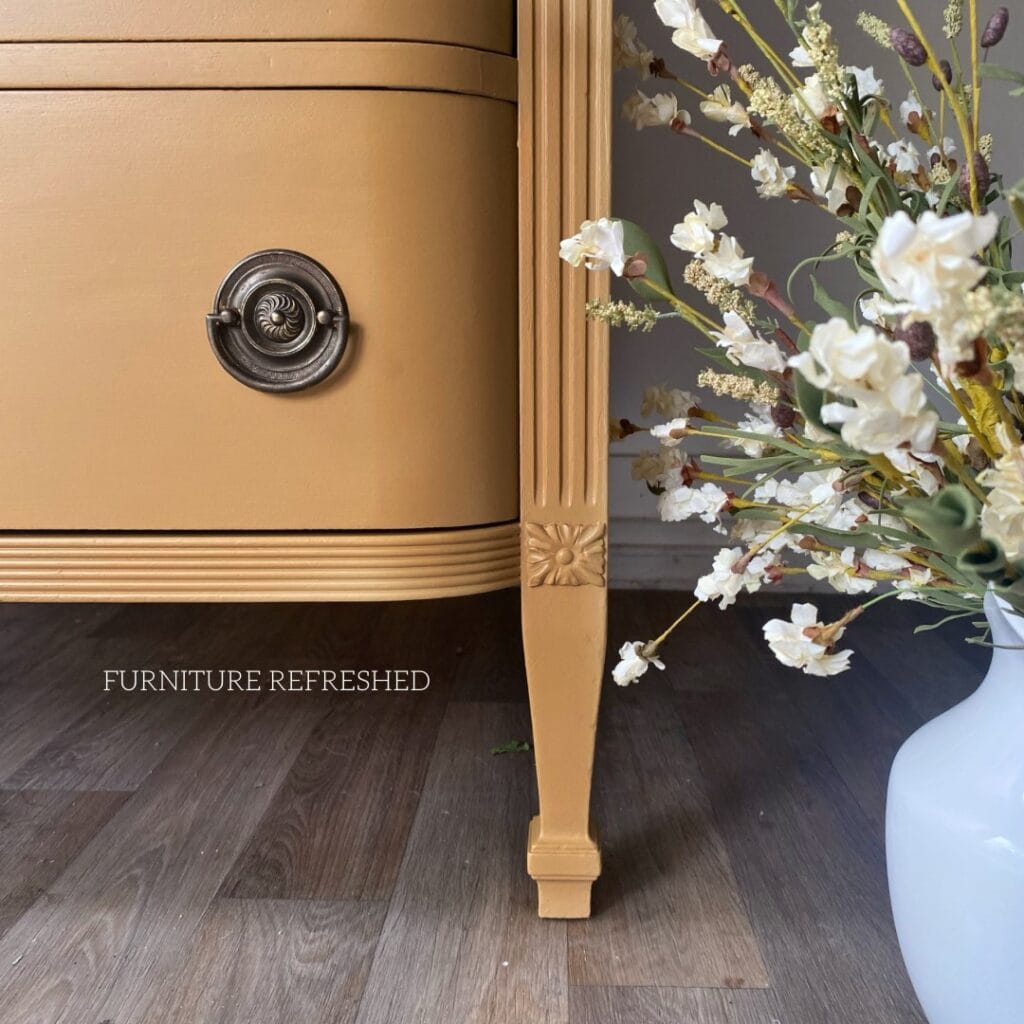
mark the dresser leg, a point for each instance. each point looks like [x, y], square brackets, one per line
[564, 641]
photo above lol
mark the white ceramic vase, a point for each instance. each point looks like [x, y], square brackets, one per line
[955, 845]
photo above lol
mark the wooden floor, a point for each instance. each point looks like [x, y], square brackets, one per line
[259, 859]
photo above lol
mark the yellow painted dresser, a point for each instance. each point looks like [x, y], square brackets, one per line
[284, 320]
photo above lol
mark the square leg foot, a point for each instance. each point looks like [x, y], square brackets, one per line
[563, 897]
[564, 870]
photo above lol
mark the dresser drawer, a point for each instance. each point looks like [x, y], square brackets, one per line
[122, 212]
[484, 24]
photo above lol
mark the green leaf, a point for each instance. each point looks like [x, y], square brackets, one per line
[830, 305]
[636, 240]
[950, 518]
[1016, 201]
[513, 747]
[1002, 73]
[809, 400]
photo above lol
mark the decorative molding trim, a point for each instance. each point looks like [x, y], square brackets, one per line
[564, 146]
[258, 567]
[565, 554]
[427, 67]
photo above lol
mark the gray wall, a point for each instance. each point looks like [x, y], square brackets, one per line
[657, 174]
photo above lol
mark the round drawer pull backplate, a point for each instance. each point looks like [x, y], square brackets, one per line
[279, 321]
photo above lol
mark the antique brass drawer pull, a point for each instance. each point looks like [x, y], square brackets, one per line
[279, 321]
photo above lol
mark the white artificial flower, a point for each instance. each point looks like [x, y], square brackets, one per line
[644, 111]
[772, 179]
[890, 406]
[884, 561]
[633, 664]
[929, 266]
[725, 582]
[800, 58]
[868, 85]
[839, 358]
[627, 49]
[727, 263]
[812, 494]
[670, 402]
[759, 531]
[834, 194]
[742, 346]
[757, 421]
[910, 106]
[813, 101]
[915, 466]
[839, 569]
[659, 468]
[706, 502]
[598, 244]
[872, 308]
[881, 421]
[1002, 517]
[905, 155]
[692, 33]
[696, 232]
[945, 149]
[719, 106]
[1015, 357]
[916, 578]
[793, 644]
[663, 431]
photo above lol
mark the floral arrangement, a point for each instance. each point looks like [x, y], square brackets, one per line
[880, 447]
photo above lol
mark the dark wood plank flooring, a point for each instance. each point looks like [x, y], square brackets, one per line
[358, 859]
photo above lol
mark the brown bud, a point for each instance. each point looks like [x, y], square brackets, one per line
[867, 498]
[947, 74]
[636, 266]
[690, 472]
[920, 339]
[995, 29]
[783, 415]
[763, 287]
[981, 172]
[976, 367]
[830, 122]
[908, 46]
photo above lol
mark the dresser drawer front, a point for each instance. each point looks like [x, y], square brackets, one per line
[123, 211]
[484, 24]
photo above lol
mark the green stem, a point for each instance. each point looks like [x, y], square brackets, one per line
[692, 316]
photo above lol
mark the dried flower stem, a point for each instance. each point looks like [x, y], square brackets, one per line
[716, 146]
[958, 111]
[692, 316]
[953, 459]
[686, 85]
[652, 648]
[975, 79]
[732, 8]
